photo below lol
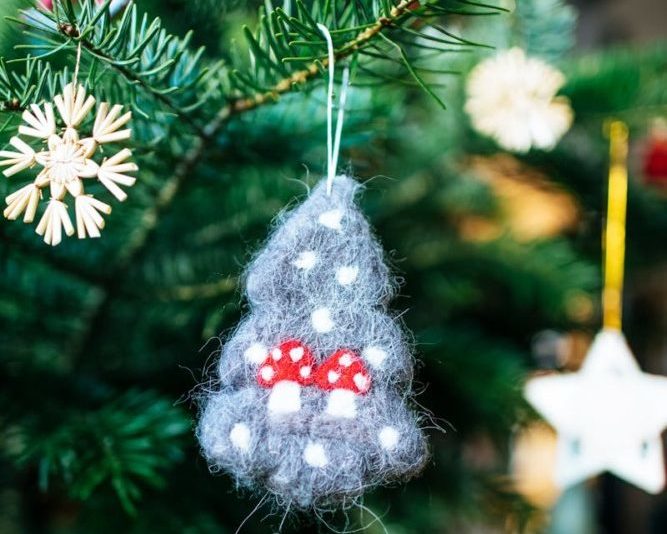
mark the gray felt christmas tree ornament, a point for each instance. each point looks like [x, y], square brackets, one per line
[314, 385]
[312, 399]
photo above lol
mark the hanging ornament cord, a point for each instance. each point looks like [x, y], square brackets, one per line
[75, 78]
[614, 237]
[333, 140]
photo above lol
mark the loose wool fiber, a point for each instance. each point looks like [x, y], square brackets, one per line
[312, 399]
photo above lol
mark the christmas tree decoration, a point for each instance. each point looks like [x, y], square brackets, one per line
[512, 99]
[313, 383]
[654, 163]
[609, 415]
[102, 341]
[66, 162]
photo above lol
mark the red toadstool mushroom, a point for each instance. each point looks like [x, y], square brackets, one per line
[345, 376]
[287, 367]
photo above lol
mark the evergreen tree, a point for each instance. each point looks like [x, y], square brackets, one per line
[103, 341]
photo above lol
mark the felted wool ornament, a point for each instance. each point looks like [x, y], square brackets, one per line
[314, 385]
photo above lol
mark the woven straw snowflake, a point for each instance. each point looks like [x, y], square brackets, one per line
[66, 162]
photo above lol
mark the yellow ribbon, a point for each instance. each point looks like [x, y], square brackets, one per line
[614, 237]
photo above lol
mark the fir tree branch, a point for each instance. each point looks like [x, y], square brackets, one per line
[152, 62]
[129, 75]
[302, 76]
[137, 243]
[198, 291]
[194, 155]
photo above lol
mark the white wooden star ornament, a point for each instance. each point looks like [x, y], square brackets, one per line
[66, 162]
[609, 416]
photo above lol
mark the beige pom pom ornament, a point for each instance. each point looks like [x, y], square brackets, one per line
[512, 98]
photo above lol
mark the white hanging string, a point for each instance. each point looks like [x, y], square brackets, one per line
[339, 120]
[333, 143]
[77, 65]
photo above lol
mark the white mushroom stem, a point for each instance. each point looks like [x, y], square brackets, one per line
[285, 398]
[342, 403]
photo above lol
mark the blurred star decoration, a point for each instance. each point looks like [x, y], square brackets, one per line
[512, 98]
[609, 416]
[66, 162]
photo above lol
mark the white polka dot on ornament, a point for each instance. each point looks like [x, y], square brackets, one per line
[331, 219]
[388, 437]
[255, 353]
[315, 455]
[347, 275]
[240, 436]
[374, 355]
[321, 320]
[306, 260]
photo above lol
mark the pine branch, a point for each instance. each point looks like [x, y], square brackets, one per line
[137, 242]
[302, 76]
[151, 62]
[159, 66]
[125, 443]
[17, 91]
[157, 95]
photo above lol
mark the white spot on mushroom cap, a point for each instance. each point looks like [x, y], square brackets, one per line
[342, 403]
[306, 260]
[256, 353]
[315, 455]
[240, 436]
[296, 353]
[331, 219]
[347, 274]
[345, 360]
[333, 376]
[321, 320]
[388, 436]
[276, 354]
[267, 372]
[374, 355]
[305, 371]
[361, 381]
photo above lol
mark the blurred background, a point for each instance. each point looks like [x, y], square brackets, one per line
[104, 343]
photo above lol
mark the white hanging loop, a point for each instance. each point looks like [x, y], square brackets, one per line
[75, 77]
[333, 143]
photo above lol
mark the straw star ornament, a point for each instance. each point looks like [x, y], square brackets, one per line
[67, 162]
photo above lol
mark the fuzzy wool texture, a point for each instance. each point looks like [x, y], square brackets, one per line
[322, 280]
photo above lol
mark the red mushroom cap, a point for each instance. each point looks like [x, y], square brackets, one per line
[344, 369]
[291, 360]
